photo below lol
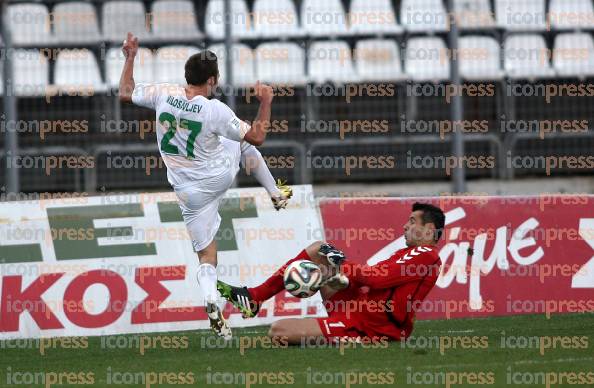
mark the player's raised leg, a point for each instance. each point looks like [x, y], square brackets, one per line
[249, 300]
[254, 164]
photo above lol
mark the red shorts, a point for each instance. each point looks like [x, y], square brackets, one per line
[352, 325]
[340, 324]
[339, 327]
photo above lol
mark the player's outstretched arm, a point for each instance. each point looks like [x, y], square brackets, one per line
[257, 134]
[130, 48]
[393, 272]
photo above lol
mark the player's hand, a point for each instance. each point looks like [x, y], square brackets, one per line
[334, 256]
[264, 93]
[130, 47]
[337, 282]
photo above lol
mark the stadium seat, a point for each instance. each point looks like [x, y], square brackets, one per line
[243, 64]
[143, 66]
[215, 20]
[170, 61]
[77, 70]
[423, 16]
[571, 14]
[174, 20]
[527, 56]
[31, 73]
[276, 18]
[373, 17]
[76, 22]
[323, 18]
[29, 24]
[121, 17]
[426, 59]
[473, 14]
[521, 15]
[568, 55]
[378, 60]
[280, 63]
[480, 58]
[331, 61]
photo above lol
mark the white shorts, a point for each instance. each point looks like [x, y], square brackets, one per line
[199, 202]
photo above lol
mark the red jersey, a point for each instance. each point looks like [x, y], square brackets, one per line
[385, 295]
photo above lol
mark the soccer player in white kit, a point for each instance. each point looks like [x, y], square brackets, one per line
[202, 143]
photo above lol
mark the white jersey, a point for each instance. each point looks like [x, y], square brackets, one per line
[188, 132]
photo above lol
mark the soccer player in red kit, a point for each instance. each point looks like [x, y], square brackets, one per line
[375, 302]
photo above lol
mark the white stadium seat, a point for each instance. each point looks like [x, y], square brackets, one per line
[331, 61]
[573, 55]
[571, 14]
[276, 18]
[280, 63]
[242, 58]
[121, 17]
[31, 73]
[241, 22]
[174, 20]
[473, 14]
[426, 59]
[373, 17]
[77, 70]
[527, 57]
[323, 18]
[480, 58]
[29, 24]
[378, 60]
[76, 22]
[170, 62]
[521, 15]
[143, 66]
[423, 16]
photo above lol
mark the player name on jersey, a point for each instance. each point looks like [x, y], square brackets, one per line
[183, 105]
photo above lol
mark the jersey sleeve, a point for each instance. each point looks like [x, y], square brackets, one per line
[226, 123]
[145, 95]
[404, 267]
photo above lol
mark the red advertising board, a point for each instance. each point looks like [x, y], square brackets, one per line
[500, 255]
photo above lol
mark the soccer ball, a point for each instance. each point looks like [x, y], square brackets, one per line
[303, 278]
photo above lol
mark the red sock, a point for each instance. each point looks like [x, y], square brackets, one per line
[274, 284]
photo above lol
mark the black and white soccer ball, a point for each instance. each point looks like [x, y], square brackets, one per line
[303, 278]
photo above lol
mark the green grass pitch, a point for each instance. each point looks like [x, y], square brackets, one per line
[496, 352]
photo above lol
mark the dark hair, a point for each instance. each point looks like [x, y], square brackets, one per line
[200, 67]
[431, 214]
